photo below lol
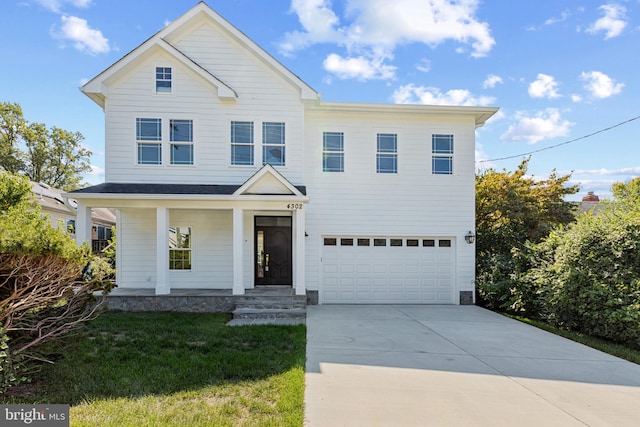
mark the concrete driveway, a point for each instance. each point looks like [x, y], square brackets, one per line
[396, 365]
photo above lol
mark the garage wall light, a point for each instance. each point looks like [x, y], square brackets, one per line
[470, 237]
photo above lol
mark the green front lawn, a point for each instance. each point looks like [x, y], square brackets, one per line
[182, 369]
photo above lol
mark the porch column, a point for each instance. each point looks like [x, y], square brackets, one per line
[83, 224]
[299, 254]
[162, 251]
[238, 262]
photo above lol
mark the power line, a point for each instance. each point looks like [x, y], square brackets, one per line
[562, 143]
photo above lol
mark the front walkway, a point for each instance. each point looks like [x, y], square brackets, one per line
[457, 366]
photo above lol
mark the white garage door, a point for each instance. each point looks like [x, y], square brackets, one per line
[361, 270]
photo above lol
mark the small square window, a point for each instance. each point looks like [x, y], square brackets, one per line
[442, 144]
[395, 242]
[442, 165]
[364, 242]
[379, 242]
[346, 242]
[444, 243]
[428, 243]
[330, 241]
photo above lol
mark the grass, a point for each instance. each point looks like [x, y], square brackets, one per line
[177, 369]
[614, 349]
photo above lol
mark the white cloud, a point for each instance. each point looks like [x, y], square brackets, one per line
[84, 38]
[544, 87]
[412, 94]
[95, 175]
[424, 66]
[359, 67]
[555, 19]
[635, 171]
[371, 27]
[491, 81]
[600, 85]
[546, 124]
[576, 98]
[56, 5]
[612, 23]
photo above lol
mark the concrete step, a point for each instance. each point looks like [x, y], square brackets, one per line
[269, 313]
[251, 322]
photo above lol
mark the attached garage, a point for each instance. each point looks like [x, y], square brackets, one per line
[407, 270]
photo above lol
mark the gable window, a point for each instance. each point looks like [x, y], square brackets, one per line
[273, 143]
[163, 79]
[442, 154]
[179, 248]
[387, 153]
[242, 143]
[333, 152]
[181, 141]
[149, 137]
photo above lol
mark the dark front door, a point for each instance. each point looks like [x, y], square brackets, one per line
[273, 250]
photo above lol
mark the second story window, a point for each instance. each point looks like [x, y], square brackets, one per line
[181, 139]
[273, 144]
[149, 140]
[333, 152]
[387, 153]
[442, 154]
[163, 80]
[242, 143]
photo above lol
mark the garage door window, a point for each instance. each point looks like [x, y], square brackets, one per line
[346, 242]
[379, 242]
[444, 243]
[364, 242]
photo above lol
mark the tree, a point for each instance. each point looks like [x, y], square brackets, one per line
[47, 284]
[513, 210]
[627, 192]
[53, 156]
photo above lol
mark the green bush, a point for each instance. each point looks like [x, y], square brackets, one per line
[587, 276]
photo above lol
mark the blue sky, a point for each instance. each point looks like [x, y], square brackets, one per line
[558, 69]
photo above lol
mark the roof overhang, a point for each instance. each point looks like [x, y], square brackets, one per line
[480, 114]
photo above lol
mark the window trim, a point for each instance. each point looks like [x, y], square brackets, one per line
[164, 79]
[148, 142]
[177, 249]
[188, 143]
[439, 155]
[380, 154]
[233, 144]
[282, 144]
[332, 153]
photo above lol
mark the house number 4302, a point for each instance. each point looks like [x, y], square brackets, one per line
[294, 206]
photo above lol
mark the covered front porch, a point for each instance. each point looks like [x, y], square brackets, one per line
[176, 239]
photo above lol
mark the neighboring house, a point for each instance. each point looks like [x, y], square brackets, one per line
[590, 203]
[229, 172]
[61, 210]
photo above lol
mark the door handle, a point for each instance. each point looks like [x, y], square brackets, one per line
[266, 266]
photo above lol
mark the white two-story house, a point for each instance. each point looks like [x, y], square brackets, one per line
[229, 172]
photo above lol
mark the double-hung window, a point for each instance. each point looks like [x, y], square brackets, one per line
[181, 141]
[273, 143]
[180, 248]
[242, 143]
[333, 152]
[387, 153]
[442, 154]
[163, 79]
[149, 140]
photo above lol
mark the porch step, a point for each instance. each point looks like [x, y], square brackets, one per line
[264, 310]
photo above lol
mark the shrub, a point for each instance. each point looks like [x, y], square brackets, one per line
[588, 275]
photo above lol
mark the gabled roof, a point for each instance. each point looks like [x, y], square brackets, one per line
[268, 181]
[96, 89]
